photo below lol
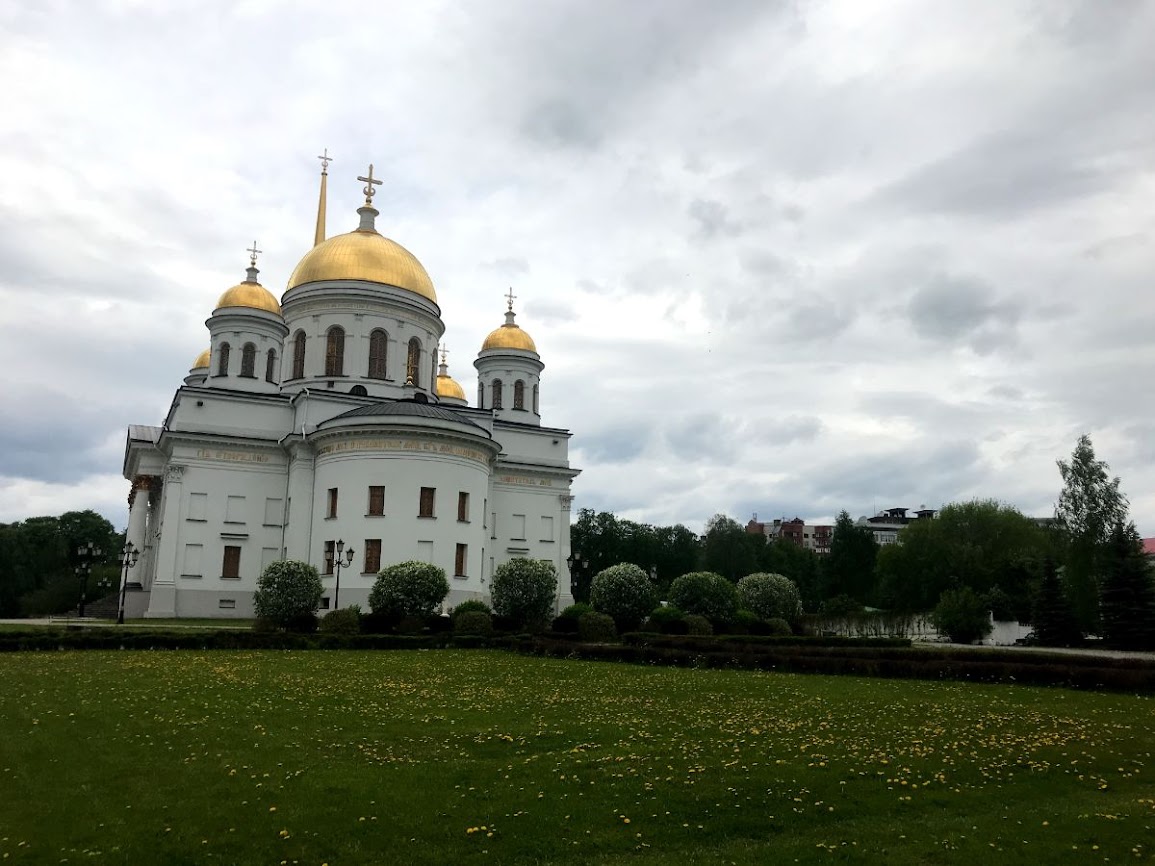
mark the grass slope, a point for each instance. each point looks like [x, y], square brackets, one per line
[488, 757]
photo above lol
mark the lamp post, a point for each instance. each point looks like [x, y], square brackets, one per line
[577, 570]
[85, 554]
[338, 563]
[127, 559]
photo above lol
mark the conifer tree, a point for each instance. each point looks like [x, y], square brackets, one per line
[1127, 594]
[1054, 622]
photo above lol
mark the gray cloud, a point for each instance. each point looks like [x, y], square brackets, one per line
[964, 311]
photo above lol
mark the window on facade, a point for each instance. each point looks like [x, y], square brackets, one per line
[378, 342]
[235, 509]
[413, 363]
[536, 411]
[359, 391]
[496, 387]
[271, 366]
[198, 506]
[331, 509]
[223, 360]
[433, 369]
[227, 604]
[459, 562]
[376, 501]
[372, 555]
[517, 530]
[519, 394]
[299, 355]
[335, 351]
[480, 395]
[546, 528]
[425, 507]
[330, 552]
[249, 361]
[463, 506]
[231, 566]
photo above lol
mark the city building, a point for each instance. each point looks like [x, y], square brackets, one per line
[889, 522]
[814, 537]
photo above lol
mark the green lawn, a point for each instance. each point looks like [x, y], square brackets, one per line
[451, 757]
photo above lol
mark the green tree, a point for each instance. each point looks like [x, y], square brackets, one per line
[625, 593]
[781, 556]
[1054, 622]
[288, 595]
[849, 567]
[770, 596]
[1090, 507]
[962, 615]
[1127, 595]
[704, 593]
[408, 589]
[524, 590]
[728, 549]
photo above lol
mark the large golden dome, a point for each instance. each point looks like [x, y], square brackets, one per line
[509, 336]
[364, 255]
[202, 361]
[250, 294]
[447, 386]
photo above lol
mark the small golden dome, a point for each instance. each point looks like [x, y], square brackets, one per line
[447, 386]
[250, 294]
[202, 361]
[509, 336]
[364, 255]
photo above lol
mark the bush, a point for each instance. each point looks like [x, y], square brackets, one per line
[473, 604]
[346, 620]
[597, 627]
[411, 625]
[624, 592]
[745, 622]
[770, 596]
[698, 625]
[961, 615]
[524, 591]
[288, 595]
[666, 619]
[566, 622]
[840, 605]
[473, 622]
[1001, 605]
[438, 624]
[778, 627]
[705, 594]
[408, 589]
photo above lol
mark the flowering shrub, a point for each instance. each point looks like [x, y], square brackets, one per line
[288, 595]
[705, 594]
[623, 591]
[524, 590]
[408, 589]
[770, 596]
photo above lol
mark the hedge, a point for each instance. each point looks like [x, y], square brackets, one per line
[112, 639]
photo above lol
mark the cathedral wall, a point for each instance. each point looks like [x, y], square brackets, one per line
[199, 411]
[550, 446]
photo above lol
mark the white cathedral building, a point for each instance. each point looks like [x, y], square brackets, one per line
[324, 421]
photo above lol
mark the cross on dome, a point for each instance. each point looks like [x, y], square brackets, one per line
[444, 352]
[370, 182]
[510, 297]
[325, 160]
[253, 253]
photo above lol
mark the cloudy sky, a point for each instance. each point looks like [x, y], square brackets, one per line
[778, 257]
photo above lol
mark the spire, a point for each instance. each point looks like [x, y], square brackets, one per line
[367, 211]
[509, 299]
[325, 160]
[251, 270]
[443, 368]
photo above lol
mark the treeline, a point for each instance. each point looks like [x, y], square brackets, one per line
[38, 557]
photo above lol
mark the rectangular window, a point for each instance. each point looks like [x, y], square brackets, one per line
[463, 507]
[484, 511]
[198, 506]
[274, 511]
[493, 524]
[192, 560]
[372, 555]
[517, 530]
[331, 507]
[231, 566]
[227, 604]
[235, 509]
[269, 555]
[425, 551]
[376, 501]
[324, 602]
[330, 552]
[425, 508]
[547, 529]
[459, 562]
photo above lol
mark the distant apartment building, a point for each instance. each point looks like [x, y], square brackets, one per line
[797, 531]
[889, 522]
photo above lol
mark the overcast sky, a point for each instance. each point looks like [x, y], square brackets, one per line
[787, 257]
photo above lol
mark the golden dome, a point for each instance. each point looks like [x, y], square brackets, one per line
[509, 336]
[202, 361]
[364, 255]
[250, 294]
[447, 386]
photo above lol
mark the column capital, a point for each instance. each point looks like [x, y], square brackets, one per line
[141, 482]
[174, 472]
[566, 501]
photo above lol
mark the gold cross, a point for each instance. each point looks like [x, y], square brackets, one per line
[370, 182]
[253, 251]
[444, 352]
[325, 160]
[510, 297]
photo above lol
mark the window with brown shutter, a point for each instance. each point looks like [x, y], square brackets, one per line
[460, 561]
[249, 361]
[332, 511]
[299, 355]
[378, 341]
[376, 501]
[330, 552]
[519, 394]
[335, 352]
[372, 555]
[463, 507]
[425, 507]
[231, 566]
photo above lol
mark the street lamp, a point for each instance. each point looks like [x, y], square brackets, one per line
[577, 570]
[337, 564]
[127, 559]
[85, 555]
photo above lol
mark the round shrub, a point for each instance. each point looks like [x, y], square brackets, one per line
[962, 615]
[698, 625]
[624, 592]
[745, 622]
[665, 619]
[566, 622]
[770, 596]
[524, 591]
[472, 604]
[345, 620]
[408, 589]
[705, 594]
[778, 627]
[596, 627]
[288, 595]
[473, 622]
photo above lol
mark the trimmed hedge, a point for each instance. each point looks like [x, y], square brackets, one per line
[136, 639]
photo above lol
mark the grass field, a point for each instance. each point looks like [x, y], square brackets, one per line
[488, 757]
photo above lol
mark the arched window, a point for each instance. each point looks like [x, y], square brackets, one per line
[496, 401]
[335, 351]
[536, 411]
[299, 355]
[378, 341]
[223, 360]
[480, 395]
[433, 371]
[249, 361]
[519, 394]
[413, 363]
[271, 366]
[359, 391]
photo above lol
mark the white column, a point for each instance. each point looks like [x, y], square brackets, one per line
[163, 600]
[299, 531]
[564, 591]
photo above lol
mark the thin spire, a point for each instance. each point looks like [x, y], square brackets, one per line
[319, 235]
[509, 314]
[252, 268]
[443, 369]
[367, 211]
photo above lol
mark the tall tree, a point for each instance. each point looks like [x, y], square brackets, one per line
[849, 567]
[1054, 623]
[1090, 507]
[728, 549]
[1127, 595]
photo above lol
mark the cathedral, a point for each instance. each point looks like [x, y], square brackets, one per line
[324, 428]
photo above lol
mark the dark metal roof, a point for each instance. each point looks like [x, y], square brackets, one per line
[402, 408]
